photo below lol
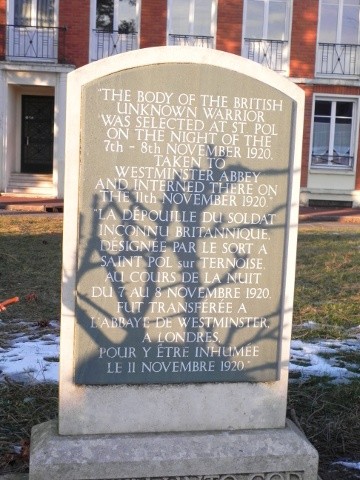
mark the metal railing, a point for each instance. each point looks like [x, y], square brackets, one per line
[332, 161]
[338, 59]
[269, 53]
[107, 43]
[35, 43]
[191, 40]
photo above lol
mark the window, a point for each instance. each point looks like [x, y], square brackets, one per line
[192, 22]
[266, 32]
[339, 37]
[333, 134]
[267, 19]
[116, 15]
[37, 13]
[115, 27]
[339, 21]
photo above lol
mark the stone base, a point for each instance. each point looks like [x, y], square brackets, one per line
[271, 454]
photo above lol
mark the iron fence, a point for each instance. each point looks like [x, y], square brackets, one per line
[191, 40]
[108, 43]
[338, 59]
[35, 43]
[269, 53]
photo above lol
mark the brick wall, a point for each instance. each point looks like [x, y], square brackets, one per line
[77, 21]
[307, 134]
[303, 38]
[229, 26]
[153, 23]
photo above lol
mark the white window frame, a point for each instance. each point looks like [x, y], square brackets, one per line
[351, 56]
[354, 134]
[112, 37]
[191, 31]
[265, 27]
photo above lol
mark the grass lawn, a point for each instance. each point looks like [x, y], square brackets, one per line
[327, 294]
[30, 266]
[327, 281]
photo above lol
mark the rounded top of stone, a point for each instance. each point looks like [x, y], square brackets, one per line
[181, 55]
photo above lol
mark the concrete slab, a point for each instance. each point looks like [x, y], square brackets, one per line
[277, 454]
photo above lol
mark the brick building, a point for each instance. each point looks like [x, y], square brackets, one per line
[315, 43]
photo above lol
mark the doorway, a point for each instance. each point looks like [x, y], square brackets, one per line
[37, 134]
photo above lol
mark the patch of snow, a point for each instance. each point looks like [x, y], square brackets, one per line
[320, 359]
[353, 465]
[31, 360]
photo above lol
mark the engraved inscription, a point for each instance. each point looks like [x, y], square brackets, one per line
[183, 208]
[238, 476]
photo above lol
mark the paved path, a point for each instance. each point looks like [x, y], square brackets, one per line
[340, 215]
[9, 203]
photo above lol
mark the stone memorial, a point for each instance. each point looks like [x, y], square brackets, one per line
[180, 229]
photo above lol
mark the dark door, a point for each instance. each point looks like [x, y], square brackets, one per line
[37, 134]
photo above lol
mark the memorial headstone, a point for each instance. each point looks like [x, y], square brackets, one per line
[180, 228]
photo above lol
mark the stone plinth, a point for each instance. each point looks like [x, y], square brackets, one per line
[269, 454]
